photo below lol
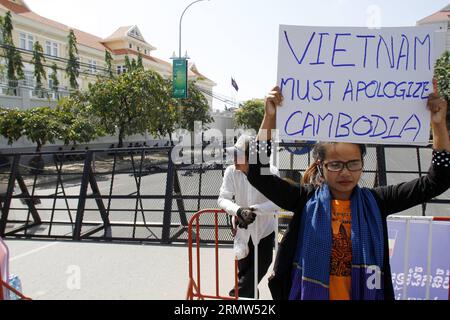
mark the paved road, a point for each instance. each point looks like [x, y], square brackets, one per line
[87, 271]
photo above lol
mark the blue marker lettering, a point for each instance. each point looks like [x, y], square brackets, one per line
[391, 58]
[418, 127]
[321, 34]
[348, 90]
[400, 55]
[335, 50]
[299, 61]
[417, 40]
[363, 119]
[375, 134]
[288, 122]
[366, 37]
[343, 125]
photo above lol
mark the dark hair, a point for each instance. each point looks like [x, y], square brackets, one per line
[313, 174]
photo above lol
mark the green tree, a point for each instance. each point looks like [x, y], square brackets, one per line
[126, 104]
[108, 61]
[17, 66]
[164, 118]
[128, 63]
[13, 58]
[442, 76]
[194, 108]
[41, 126]
[250, 115]
[78, 124]
[39, 71]
[73, 63]
[1, 29]
[140, 63]
[132, 64]
[54, 78]
[11, 124]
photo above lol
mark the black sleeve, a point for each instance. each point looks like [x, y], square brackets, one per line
[400, 197]
[286, 195]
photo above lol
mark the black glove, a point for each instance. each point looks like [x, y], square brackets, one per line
[245, 216]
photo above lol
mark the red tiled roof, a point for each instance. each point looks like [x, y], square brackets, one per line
[440, 16]
[129, 51]
[85, 38]
[118, 34]
[14, 7]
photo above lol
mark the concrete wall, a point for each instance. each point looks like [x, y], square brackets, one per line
[24, 100]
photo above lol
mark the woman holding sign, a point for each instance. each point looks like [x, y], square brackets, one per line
[336, 246]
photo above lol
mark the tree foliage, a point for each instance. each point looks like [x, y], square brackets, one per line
[127, 104]
[108, 61]
[13, 58]
[41, 126]
[54, 78]
[194, 108]
[39, 71]
[73, 63]
[442, 76]
[11, 124]
[77, 122]
[164, 114]
[133, 64]
[250, 115]
[140, 63]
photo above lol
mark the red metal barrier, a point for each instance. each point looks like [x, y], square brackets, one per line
[194, 287]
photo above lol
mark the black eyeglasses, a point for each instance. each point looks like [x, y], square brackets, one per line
[337, 166]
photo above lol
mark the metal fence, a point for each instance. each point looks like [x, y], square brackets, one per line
[140, 195]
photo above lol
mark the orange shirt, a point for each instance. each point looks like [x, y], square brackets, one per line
[341, 253]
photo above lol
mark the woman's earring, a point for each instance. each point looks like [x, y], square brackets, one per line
[320, 171]
[321, 178]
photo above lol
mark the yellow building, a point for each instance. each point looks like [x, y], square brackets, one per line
[30, 27]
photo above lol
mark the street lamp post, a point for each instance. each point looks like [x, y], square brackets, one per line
[180, 69]
[181, 20]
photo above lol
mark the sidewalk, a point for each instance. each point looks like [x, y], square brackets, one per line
[103, 271]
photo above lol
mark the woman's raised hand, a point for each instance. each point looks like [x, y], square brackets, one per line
[273, 99]
[438, 108]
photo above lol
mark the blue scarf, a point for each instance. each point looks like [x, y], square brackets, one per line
[311, 270]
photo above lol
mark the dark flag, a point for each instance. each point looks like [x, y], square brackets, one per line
[234, 84]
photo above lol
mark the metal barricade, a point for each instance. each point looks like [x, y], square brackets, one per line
[194, 288]
[418, 251]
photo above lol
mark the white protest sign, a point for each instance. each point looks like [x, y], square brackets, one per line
[356, 84]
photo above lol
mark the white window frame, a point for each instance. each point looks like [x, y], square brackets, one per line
[22, 40]
[52, 48]
[26, 41]
[50, 80]
[29, 79]
[121, 69]
[92, 66]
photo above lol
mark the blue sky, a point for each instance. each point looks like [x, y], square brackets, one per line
[228, 38]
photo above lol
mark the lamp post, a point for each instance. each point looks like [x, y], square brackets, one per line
[180, 65]
[180, 69]
[181, 20]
